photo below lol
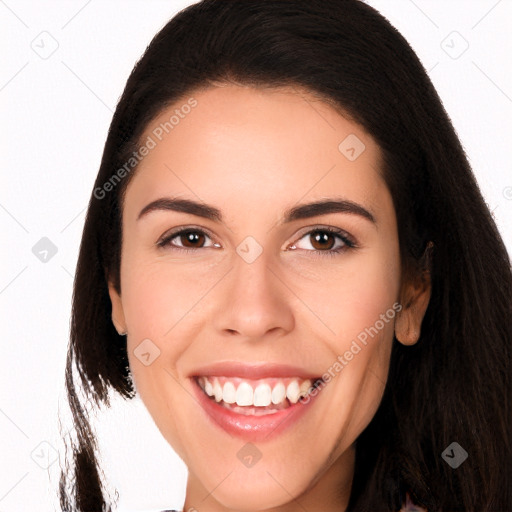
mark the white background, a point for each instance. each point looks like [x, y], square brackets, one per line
[55, 115]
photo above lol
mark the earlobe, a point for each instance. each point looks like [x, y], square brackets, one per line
[409, 319]
[117, 310]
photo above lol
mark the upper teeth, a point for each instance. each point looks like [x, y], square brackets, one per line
[259, 393]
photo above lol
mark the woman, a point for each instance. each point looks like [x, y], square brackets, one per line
[287, 256]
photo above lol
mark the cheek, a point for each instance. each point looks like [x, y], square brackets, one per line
[370, 292]
[158, 295]
[155, 300]
[352, 293]
[162, 303]
[363, 322]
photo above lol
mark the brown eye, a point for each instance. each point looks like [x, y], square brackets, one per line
[325, 242]
[191, 239]
[185, 240]
[322, 240]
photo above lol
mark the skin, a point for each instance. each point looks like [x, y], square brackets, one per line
[253, 153]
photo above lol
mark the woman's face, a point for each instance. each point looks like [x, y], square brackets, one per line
[253, 298]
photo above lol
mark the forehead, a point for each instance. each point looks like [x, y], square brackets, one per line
[258, 149]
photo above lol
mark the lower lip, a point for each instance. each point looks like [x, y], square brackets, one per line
[248, 427]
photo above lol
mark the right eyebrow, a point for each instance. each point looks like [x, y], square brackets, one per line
[183, 205]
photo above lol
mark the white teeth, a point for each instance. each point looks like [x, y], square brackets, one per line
[292, 391]
[217, 390]
[208, 388]
[244, 394]
[278, 393]
[229, 393]
[262, 395]
[237, 392]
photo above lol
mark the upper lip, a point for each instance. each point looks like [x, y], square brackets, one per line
[252, 370]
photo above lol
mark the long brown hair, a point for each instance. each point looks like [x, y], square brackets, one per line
[454, 385]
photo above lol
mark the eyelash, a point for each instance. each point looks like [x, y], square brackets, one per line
[348, 242]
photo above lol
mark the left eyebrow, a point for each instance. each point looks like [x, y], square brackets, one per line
[303, 211]
[326, 206]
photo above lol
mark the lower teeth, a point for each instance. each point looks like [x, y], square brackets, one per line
[251, 410]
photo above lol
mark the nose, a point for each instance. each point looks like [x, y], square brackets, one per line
[254, 301]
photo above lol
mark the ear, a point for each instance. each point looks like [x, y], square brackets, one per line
[117, 310]
[415, 298]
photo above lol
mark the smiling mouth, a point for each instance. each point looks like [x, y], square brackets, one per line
[256, 397]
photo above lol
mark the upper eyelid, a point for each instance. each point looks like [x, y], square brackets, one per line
[320, 227]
